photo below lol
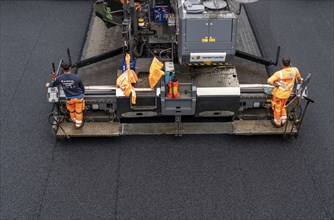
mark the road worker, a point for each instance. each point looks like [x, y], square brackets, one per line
[137, 5]
[284, 81]
[74, 91]
[155, 72]
[127, 80]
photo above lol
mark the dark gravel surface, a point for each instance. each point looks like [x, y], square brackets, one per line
[160, 177]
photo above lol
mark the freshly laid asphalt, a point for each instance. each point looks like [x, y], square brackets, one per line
[161, 177]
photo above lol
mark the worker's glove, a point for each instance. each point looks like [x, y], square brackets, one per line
[53, 76]
[276, 84]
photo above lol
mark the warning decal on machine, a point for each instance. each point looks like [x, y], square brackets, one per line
[205, 57]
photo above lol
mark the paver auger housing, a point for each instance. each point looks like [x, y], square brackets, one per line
[199, 93]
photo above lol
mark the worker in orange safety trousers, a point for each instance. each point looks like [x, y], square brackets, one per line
[284, 81]
[74, 91]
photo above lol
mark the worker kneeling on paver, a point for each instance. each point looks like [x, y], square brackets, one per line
[74, 91]
[284, 81]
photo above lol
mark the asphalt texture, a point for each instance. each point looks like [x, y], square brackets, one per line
[161, 177]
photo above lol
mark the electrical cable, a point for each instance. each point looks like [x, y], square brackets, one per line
[162, 51]
[55, 119]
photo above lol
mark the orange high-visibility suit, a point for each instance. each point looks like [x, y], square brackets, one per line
[285, 81]
[137, 4]
[155, 72]
[75, 107]
[126, 79]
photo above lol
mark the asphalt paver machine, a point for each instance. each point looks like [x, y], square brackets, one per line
[199, 91]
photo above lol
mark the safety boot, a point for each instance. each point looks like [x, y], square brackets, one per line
[78, 124]
[283, 119]
[277, 125]
[283, 122]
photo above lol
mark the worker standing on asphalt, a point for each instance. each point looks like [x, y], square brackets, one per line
[284, 81]
[74, 91]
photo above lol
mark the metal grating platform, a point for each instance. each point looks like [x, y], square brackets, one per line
[172, 128]
[260, 127]
[90, 129]
[110, 129]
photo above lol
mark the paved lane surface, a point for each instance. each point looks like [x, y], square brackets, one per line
[193, 177]
[304, 29]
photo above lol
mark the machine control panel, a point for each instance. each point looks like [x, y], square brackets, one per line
[53, 94]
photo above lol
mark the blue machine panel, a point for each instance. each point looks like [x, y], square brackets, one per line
[161, 13]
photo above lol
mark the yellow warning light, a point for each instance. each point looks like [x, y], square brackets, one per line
[212, 40]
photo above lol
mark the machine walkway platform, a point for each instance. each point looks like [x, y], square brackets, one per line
[110, 129]
[261, 127]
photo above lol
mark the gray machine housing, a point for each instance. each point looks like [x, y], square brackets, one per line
[206, 37]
